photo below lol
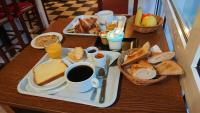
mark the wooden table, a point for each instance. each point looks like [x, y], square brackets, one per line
[163, 97]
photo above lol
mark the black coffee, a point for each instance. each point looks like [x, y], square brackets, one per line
[80, 73]
[92, 51]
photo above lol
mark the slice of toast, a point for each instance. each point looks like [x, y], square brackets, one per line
[49, 71]
[169, 68]
[137, 55]
[159, 57]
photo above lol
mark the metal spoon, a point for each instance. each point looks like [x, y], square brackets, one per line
[103, 88]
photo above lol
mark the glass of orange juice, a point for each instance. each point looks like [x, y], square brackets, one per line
[54, 49]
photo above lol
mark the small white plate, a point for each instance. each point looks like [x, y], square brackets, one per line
[51, 85]
[60, 37]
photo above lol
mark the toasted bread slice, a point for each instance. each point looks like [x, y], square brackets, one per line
[169, 68]
[139, 54]
[49, 71]
[159, 57]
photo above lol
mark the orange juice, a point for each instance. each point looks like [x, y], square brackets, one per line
[54, 50]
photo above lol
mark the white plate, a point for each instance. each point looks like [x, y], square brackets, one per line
[51, 85]
[60, 37]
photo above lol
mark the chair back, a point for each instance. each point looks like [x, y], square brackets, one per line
[119, 6]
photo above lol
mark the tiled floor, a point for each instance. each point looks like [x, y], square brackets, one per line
[69, 8]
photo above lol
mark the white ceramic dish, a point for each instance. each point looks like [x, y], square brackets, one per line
[120, 19]
[60, 37]
[81, 98]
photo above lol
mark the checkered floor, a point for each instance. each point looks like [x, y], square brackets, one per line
[69, 8]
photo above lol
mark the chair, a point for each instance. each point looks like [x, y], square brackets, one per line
[25, 11]
[4, 17]
[117, 6]
[8, 36]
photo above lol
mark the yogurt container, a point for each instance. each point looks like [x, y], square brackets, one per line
[115, 38]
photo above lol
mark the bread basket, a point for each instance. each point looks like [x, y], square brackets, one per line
[142, 29]
[136, 81]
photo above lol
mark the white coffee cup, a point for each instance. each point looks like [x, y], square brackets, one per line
[81, 77]
[100, 59]
[105, 16]
[91, 51]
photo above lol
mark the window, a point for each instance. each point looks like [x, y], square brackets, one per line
[186, 12]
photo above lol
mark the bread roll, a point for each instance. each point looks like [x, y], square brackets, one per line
[76, 54]
[169, 68]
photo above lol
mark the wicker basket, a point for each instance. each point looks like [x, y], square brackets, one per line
[136, 81]
[142, 29]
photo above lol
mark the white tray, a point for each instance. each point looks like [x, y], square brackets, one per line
[81, 98]
[75, 21]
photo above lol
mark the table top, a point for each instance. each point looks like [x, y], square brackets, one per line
[162, 97]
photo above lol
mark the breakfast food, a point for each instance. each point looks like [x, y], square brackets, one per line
[42, 40]
[158, 57]
[169, 68]
[138, 54]
[49, 71]
[76, 54]
[142, 70]
[86, 25]
[141, 65]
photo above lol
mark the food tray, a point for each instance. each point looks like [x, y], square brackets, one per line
[81, 98]
[75, 21]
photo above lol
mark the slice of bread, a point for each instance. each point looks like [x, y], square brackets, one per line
[48, 71]
[142, 70]
[169, 68]
[159, 57]
[144, 73]
[137, 55]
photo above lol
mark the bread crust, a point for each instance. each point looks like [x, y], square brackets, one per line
[141, 53]
[169, 68]
[50, 79]
[159, 57]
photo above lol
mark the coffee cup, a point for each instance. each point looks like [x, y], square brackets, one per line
[91, 51]
[81, 77]
[105, 16]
